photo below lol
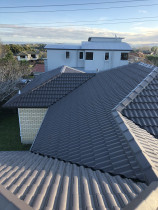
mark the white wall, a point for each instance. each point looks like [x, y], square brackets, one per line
[116, 59]
[22, 59]
[56, 58]
[98, 61]
[30, 120]
[101, 64]
[31, 58]
[27, 57]
[45, 65]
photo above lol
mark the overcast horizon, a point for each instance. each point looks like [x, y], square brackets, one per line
[72, 22]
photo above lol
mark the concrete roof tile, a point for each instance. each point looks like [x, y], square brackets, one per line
[49, 87]
[143, 109]
[44, 183]
[83, 122]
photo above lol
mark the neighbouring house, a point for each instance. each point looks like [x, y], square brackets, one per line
[28, 56]
[95, 146]
[96, 54]
[38, 69]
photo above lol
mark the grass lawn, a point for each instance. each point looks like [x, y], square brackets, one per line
[9, 132]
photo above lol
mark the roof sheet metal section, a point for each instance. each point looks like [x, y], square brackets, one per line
[106, 46]
[63, 46]
[49, 90]
[142, 110]
[93, 45]
[81, 128]
[45, 183]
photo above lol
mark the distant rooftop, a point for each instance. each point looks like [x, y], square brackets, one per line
[38, 68]
[94, 43]
[63, 46]
[104, 39]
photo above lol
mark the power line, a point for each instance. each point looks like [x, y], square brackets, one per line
[95, 24]
[112, 23]
[89, 21]
[65, 5]
[105, 23]
[90, 9]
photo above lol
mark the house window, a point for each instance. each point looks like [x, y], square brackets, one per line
[124, 56]
[106, 56]
[22, 56]
[81, 55]
[67, 54]
[89, 55]
[33, 56]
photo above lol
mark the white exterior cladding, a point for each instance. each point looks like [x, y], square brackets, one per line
[28, 57]
[30, 120]
[56, 54]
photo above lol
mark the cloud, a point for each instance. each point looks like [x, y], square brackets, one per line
[137, 24]
[16, 33]
[102, 18]
[143, 11]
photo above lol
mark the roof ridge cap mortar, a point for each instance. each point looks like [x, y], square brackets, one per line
[63, 71]
[144, 161]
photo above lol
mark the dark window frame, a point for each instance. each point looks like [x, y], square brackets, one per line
[22, 56]
[107, 56]
[89, 55]
[81, 55]
[33, 56]
[67, 54]
[124, 56]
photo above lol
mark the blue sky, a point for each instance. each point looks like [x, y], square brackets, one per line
[129, 19]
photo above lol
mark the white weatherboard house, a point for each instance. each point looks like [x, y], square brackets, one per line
[29, 56]
[96, 54]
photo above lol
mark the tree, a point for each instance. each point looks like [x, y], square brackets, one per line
[153, 59]
[0, 49]
[15, 48]
[154, 50]
[10, 72]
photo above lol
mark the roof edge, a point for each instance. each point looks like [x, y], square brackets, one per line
[12, 200]
[146, 199]
[129, 98]
[145, 163]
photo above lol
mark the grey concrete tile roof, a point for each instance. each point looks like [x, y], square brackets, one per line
[48, 88]
[144, 146]
[9, 201]
[147, 199]
[81, 129]
[143, 108]
[46, 183]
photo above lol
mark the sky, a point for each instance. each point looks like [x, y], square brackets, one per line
[52, 21]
